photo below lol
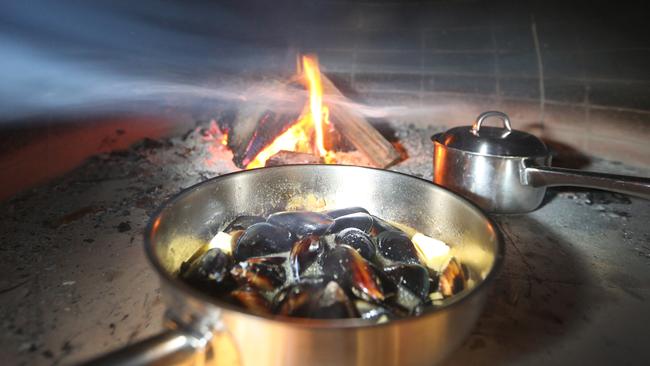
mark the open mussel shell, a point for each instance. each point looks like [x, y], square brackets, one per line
[252, 300]
[413, 277]
[396, 246]
[293, 300]
[452, 279]
[242, 223]
[345, 211]
[358, 240]
[322, 299]
[349, 268]
[264, 273]
[359, 220]
[302, 223]
[304, 252]
[208, 272]
[262, 239]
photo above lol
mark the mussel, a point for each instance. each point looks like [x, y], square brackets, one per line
[262, 239]
[359, 220]
[234, 230]
[293, 300]
[242, 223]
[358, 240]
[318, 298]
[396, 246]
[302, 223]
[252, 300]
[452, 279]
[304, 252]
[345, 211]
[349, 268]
[337, 264]
[413, 277]
[209, 271]
[434, 281]
[380, 225]
[264, 273]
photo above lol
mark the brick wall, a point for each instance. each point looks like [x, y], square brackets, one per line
[575, 75]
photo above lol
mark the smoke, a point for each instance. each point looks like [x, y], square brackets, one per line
[63, 56]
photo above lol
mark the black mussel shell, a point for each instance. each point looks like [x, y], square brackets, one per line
[196, 255]
[396, 246]
[304, 252]
[380, 225]
[345, 211]
[388, 286]
[349, 268]
[264, 273]
[452, 279]
[315, 299]
[262, 239]
[360, 220]
[302, 223]
[374, 312]
[413, 277]
[252, 300]
[242, 223]
[293, 300]
[358, 240]
[434, 281]
[209, 271]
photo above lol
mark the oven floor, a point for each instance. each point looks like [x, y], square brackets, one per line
[75, 282]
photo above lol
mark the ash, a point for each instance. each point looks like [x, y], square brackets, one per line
[416, 140]
[75, 282]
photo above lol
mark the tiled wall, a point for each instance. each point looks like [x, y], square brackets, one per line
[576, 75]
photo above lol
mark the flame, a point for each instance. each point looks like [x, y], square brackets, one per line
[311, 122]
[312, 72]
[296, 138]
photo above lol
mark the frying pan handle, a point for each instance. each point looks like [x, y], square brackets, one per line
[168, 348]
[538, 176]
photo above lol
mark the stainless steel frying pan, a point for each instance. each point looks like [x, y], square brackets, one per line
[205, 329]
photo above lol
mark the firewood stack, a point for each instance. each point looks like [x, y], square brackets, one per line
[355, 141]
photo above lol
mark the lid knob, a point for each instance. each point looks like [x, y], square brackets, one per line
[476, 127]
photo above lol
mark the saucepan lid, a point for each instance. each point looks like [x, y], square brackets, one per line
[496, 141]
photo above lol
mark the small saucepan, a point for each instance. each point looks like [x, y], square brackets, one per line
[507, 171]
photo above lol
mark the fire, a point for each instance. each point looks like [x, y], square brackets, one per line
[296, 138]
[311, 122]
[312, 73]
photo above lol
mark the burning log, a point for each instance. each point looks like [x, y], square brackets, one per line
[253, 126]
[356, 129]
[285, 157]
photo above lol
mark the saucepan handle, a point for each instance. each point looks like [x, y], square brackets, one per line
[168, 348]
[540, 176]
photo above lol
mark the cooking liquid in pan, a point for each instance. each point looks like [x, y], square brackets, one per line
[343, 263]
